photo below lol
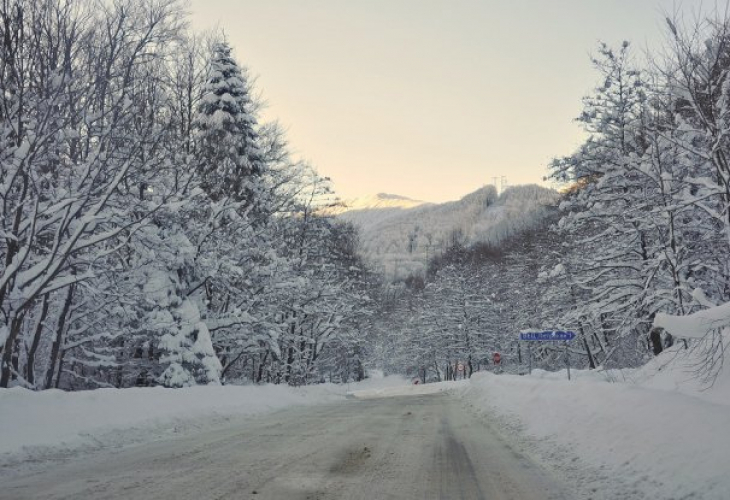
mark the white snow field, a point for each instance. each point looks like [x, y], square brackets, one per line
[656, 433]
[36, 424]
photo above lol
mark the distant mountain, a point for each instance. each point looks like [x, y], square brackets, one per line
[400, 235]
[378, 201]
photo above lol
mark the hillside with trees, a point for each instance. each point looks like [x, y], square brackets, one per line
[400, 241]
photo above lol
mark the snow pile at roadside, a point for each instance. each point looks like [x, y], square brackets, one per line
[654, 433]
[35, 424]
[679, 371]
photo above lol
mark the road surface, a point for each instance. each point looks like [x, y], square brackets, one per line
[408, 447]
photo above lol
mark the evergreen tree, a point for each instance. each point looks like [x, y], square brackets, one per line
[229, 159]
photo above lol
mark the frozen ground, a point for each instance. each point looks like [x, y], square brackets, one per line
[654, 433]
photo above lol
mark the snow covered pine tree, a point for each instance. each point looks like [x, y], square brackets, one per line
[227, 146]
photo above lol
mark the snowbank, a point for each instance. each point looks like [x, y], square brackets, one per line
[33, 424]
[656, 432]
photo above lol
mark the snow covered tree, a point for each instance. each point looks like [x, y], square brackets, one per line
[187, 354]
[79, 155]
[604, 207]
[229, 159]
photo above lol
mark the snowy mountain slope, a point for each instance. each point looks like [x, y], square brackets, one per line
[380, 201]
[400, 240]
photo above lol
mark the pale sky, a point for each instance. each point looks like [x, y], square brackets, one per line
[428, 99]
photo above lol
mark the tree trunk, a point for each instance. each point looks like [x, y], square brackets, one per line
[58, 339]
[60, 369]
[30, 363]
[8, 361]
[262, 363]
[591, 361]
[656, 341]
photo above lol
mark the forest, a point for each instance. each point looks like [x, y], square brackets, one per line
[154, 231]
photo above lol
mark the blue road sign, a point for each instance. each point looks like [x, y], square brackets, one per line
[547, 335]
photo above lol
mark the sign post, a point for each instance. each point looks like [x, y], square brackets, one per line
[548, 336]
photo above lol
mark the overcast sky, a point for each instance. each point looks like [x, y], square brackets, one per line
[429, 99]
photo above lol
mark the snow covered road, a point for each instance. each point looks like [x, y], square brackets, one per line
[418, 446]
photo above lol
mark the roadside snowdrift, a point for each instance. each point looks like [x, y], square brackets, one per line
[655, 433]
[38, 423]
